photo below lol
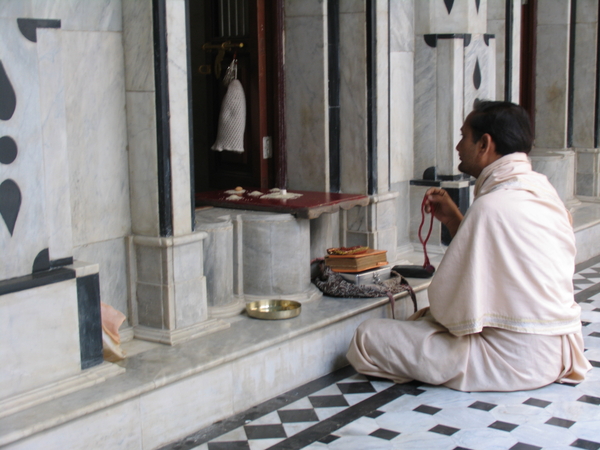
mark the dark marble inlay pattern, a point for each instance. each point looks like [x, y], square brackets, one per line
[28, 27]
[425, 409]
[503, 426]
[8, 99]
[558, 422]
[8, 149]
[382, 433]
[477, 75]
[445, 430]
[449, 4]
[328, 401]
[297, 415]
[536, 402]
[10, 203]
[265, 431]
[483, 406]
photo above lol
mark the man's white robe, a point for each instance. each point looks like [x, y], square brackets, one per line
[502, 311]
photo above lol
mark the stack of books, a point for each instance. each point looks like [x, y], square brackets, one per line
[370, 259]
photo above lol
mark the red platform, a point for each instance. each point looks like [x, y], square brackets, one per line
[309, 206]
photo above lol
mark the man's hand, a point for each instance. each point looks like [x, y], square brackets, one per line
[445, 209]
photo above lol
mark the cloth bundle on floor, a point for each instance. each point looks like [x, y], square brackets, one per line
[334, 285]
[111, 341]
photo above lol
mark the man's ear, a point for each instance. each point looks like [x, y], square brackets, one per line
[486, 143]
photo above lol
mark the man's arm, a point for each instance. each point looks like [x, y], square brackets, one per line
[445, 209]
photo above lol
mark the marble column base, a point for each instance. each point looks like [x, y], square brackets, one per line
[219, 269]
[174, 337]
[373, 225]
[559, 166]
[587, 182]
[171, 289]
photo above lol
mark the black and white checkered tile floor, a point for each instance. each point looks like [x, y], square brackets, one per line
[347, 411]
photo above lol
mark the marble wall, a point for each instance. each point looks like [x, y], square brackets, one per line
[40, 350]
[444, 17]
[65, 65]
[23, 183]
[353, 98]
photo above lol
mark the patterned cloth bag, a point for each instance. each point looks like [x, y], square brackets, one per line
[334, 285]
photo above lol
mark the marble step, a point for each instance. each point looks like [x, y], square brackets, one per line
[168, 392]
[586, 222]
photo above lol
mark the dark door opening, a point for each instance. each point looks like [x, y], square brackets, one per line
[528, 50]
[250, 30]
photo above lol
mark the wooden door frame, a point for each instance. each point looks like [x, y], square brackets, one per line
[528, 59]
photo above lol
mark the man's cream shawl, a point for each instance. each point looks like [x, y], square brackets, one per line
[511, 262]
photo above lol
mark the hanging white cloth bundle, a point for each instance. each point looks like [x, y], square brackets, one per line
[232, 119]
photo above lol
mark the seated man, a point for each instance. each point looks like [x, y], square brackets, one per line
[502, 314]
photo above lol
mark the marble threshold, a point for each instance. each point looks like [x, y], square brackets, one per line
[150, 366]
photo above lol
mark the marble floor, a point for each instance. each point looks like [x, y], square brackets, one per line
[348, 411]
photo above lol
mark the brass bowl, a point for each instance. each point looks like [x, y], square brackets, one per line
[273, 309]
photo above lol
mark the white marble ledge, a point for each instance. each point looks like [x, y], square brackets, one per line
[160, 365]
[586, 214]
[384, 197]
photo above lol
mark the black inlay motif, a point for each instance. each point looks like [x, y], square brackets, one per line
[503, 426]
[35, 280]
[430, 173]
[297, 415]
[28, 27]
[356, 388]
[426, 409]
[8, 99]
[523, 446]
[61, 262]
[8, 149]
[383, 433]
[431, 40]
[587, 445]
[477, 75]
[536, 402]
[444, 429]
[449, 4]
[41, 261]
[487, 37]
[265, 431]
[10, 203]
[477, 2]
[229, 445]
[483, 406]
[558, 422]
[90, 321]
[329, 439]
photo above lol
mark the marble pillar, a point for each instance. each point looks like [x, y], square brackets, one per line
[584, 94]
[454, 65]
[169, 287]
[550, 155]
[306, 102]
[353, 98]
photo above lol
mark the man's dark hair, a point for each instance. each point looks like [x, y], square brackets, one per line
[508, 125]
